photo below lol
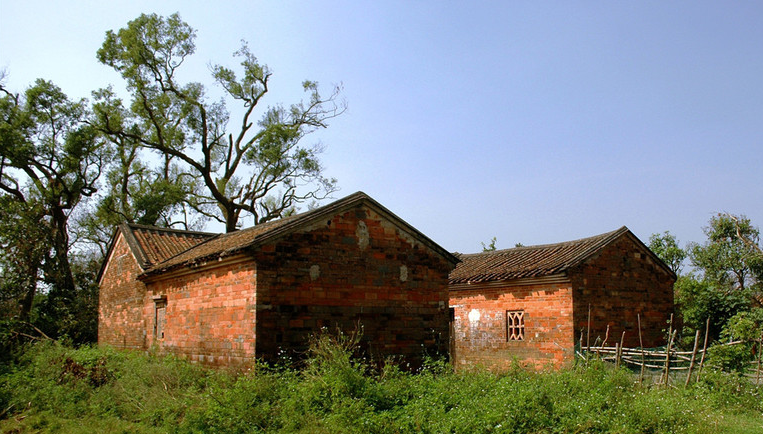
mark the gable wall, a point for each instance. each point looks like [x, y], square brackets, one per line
[120, 300]
[209, 314]
[619, 283]
[353, 271]
[480, 325]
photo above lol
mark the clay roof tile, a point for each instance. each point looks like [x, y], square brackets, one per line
[529, 261]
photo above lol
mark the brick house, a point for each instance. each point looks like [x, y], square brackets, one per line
[531, 304]
[229, 298]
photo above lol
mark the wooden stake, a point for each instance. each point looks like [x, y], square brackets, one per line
[597, 346]
[693, 356]
[667, 358]
[588, 338]
[704, 348]
[619, 351]
[641, 344]
[606, 336]
[760, 355]
[667, 353]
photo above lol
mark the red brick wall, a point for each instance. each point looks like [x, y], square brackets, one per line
[120, 300]
[209, 314]
[354, 270]
[619, 283]
[479, 325]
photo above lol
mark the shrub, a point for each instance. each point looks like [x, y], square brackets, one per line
[60, 389]
[746, 328]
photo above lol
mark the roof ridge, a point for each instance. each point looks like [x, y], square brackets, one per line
[606, 238]
[605, 235]
[280, 224]
[228, 234]
[263, 234]
[531, 261]
[166, 229]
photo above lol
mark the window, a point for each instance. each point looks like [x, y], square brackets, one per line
[160, 305]
[515, 325]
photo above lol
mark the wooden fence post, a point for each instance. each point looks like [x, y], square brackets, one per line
[588, 337]
[760, 355]
[606, 337]
[667, 352]
[619, 350]
[641, 344]
[704, 348]
[667, 359]
[693, 356]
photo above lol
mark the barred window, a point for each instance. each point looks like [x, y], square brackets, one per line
[515, 325]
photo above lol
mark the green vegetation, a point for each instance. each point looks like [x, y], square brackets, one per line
[724, 290]
[53, 388]
[160, 151]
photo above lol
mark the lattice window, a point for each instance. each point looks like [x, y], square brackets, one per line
[515, 325]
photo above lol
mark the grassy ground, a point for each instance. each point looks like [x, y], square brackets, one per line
[54, 389]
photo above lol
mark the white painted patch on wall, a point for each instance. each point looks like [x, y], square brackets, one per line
[315, 272]
[474, 315]
[403, 273]
[362, 233]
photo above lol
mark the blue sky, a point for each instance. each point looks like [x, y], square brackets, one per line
[533, 122]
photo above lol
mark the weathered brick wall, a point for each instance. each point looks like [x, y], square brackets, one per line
[120, 300]
[619, 283]
[480, 328]
[352, 271]
[209, 315]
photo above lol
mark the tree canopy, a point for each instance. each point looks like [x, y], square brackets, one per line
[724, 290]
[50, 161]
[170, 155]
[731, 256]
[665, 246]
[251, 168]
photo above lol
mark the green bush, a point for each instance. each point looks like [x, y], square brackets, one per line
[54, 388]
[746, 328]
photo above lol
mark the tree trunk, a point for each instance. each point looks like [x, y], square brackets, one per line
[59, 272]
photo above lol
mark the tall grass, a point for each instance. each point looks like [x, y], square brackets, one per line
[53, 388]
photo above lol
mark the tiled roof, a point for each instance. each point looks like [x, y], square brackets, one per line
[221, 245]
[153, 245]
[530, 261]
[234, 242]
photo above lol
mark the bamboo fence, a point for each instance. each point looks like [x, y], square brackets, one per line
[666, 364]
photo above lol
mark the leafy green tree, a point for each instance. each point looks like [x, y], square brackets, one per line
[665, 246]
[23, 246]
[135, 191]
[731, 256]
[259, 170]
[726, 288]
[699, 299]
[50, 163]
[490, 247]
